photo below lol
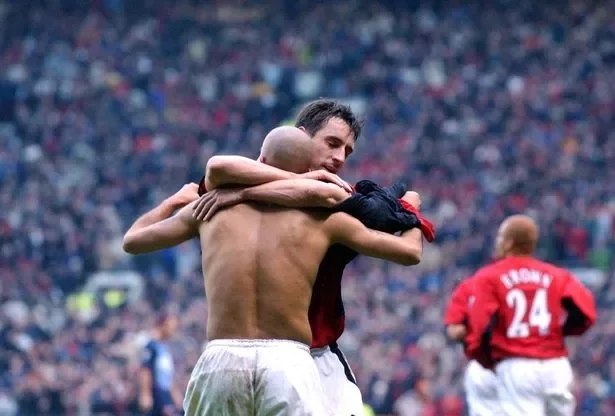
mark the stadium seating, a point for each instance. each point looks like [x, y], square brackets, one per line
[108, 106]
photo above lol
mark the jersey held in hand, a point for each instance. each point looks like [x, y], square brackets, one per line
[377, 208]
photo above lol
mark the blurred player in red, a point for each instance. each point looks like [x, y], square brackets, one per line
[523, 309]
[479, 383]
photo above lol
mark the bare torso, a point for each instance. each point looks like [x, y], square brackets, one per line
[259, 265]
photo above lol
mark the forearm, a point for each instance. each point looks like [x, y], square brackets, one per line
[378, 244]
[163, 211]
[296, 193]
[163, 234]
[414, 238]
[238, 170]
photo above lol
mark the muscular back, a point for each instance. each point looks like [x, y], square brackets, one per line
[259, 265]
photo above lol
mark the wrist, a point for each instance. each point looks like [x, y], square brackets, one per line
[170, 204]
[243, 194]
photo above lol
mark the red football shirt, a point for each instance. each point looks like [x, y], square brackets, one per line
[457, 310]
[326, 313]
[525, 296]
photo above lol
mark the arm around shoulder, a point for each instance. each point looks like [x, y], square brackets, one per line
[406, 249]
[296, 193]
[239, 170]
[164, 234]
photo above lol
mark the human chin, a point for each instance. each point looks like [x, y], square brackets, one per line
[329, 168]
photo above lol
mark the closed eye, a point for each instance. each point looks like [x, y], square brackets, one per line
[334, 143]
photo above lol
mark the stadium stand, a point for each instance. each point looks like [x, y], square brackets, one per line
[108, 106]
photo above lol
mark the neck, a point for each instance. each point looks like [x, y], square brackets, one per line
[518, 254]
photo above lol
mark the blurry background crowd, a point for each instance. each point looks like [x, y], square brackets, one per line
[107, 106]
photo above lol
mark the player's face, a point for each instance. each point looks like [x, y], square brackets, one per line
[332, 145]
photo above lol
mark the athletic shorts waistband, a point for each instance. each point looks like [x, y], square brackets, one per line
[257, 343]
[320, 350]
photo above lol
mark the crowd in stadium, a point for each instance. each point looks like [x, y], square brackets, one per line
[107, 107]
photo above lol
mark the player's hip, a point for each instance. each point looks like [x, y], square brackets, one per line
[479, 381]
[253, 353]
[267, 320]
[536, 375]
[506, 349]
[520, 364]
[338, 381]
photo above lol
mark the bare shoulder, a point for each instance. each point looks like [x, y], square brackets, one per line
[340, 223]
[302, 221]
[185, 215]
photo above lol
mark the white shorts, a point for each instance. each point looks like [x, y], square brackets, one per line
[255, 377]
[536, 387]
[481, 391]
[342, 395]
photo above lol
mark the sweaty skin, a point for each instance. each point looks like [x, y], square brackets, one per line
[260, 263]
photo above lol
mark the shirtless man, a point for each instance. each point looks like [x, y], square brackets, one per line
[260, 264]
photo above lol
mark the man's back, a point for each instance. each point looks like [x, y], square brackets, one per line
[529, 319]
[259, 265]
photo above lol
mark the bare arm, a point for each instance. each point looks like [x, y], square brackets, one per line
[163, 234]
[406, 249]
[145, 389]
[290, 193]
[161, 212]
[238, 170]
[297, 193]
[456, 332]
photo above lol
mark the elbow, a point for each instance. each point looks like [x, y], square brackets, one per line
[412, 257]
[331, 196]
[329, 201]
[214, 171]
[215, 164]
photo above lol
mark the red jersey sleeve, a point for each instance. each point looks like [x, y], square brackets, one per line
[481, 312]
[457, 310]
[581, 307]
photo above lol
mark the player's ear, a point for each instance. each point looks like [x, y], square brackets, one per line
[261, 159]
[303, 130]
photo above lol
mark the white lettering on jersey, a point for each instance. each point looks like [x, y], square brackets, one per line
[521, 276]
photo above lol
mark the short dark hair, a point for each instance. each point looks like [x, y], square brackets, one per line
[315, 114]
